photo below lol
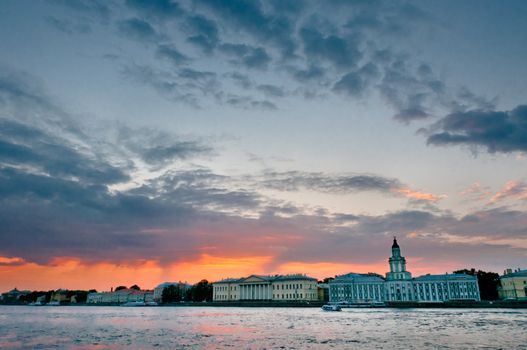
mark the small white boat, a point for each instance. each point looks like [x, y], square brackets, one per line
[53, 303]
[36, 303]
[329, 307]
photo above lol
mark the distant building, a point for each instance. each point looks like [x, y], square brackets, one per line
[14, 295]
[323, 291]
[357, 288]
[121, 296]
[158, 291]
[60, 295]
[513, 284]
[399, 286]
[295, 287]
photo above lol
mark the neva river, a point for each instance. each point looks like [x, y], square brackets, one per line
[47, 327]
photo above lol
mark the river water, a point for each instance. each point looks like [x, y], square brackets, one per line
[75, 328]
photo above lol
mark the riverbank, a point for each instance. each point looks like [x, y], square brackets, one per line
[498, 304]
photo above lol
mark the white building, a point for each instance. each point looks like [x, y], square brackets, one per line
[399, 286]
[513, 284]
[121, 296]
[357, 288]
[270, 288]
[437, 288]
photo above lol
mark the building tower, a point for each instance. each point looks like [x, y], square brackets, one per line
[398, 280]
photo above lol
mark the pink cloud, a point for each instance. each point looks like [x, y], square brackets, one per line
[512, 190]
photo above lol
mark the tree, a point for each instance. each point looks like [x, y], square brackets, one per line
[488, 283]
[202, 291]
[171, 294]
[135, 286]
[120, 288]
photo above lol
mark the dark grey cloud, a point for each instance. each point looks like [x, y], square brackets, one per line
[56, 157]
[165, 83]
[157, 8]
[205, 33]
[355, 83]
[138, 29]
[246, 55]
[332, 48]
[159, 148]
[171, 54]
[496, 131]
[296, 180]
[250, 17]
[309, 74]
[247, 102]
[346, 54]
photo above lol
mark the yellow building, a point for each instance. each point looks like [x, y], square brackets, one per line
[296, 287]
[513, 284]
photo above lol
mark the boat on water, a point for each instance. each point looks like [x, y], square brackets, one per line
[331, 307]
[140, 303]
[36, 303]
[53, 303]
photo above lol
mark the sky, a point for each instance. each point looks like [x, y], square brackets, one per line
[164, 140]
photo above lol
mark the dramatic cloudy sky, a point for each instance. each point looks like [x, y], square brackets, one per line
[144, 141]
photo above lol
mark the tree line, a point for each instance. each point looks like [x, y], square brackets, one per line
[201, 291]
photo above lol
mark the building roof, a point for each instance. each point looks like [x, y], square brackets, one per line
[269, 278]
[451, 276]
[358, 277]
[518, 273]
[229, 280]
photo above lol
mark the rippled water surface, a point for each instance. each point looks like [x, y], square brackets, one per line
[25, 327]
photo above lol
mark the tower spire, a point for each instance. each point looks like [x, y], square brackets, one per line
[395, 244]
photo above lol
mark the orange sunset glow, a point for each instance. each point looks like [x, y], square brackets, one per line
[72, 273]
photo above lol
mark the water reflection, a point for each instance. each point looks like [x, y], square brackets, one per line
[115, 328]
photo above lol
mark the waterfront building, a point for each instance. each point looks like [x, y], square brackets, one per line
[295, 287]
[439, 288]
[227, 289]
[513, 284]
[356, 288]
[323, 292]
[60, 296]
[399, 286]
[121, 296]
[14, 295]
[398, 281]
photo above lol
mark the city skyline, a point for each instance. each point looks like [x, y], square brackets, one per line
[151, 141]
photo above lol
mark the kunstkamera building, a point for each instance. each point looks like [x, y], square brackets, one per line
[400, 286]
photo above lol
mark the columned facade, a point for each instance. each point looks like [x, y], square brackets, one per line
[266, 288]
[399, 286]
